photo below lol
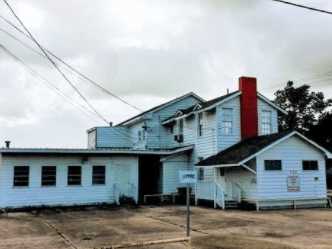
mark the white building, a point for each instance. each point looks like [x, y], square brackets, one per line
[232, 140]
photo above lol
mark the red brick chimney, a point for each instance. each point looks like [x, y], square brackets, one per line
[248, 102]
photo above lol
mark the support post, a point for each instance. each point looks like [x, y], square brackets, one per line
[188, 210]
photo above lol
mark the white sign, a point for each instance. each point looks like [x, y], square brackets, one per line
[188, 176]
[293, 183]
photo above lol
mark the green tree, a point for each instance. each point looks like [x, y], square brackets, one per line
[304, 107]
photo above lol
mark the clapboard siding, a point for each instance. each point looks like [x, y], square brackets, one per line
[113, 137]
[171, 168]
[263, 106]
[273, 184]
[225, 141]
[121, 173]
[158, 135]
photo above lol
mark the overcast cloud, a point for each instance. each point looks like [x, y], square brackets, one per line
[150, 51]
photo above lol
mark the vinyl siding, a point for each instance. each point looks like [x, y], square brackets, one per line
[171, 169]
[159, 136]
[121, 173]
[273, 184]
[113, 137]
[225, 141]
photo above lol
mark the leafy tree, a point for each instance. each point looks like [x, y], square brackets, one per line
[304, 107]
[321, 132]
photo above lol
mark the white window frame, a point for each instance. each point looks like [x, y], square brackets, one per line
[199, 124]
[266, 122]
[227, 121]
[180, 126]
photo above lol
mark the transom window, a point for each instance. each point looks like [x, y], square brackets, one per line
[266, 120]
[227, 122]
[98, 175]
[74, 175]
[21, 176]
[273, 165]
[200, 124]
[310, 165]
[48, 176]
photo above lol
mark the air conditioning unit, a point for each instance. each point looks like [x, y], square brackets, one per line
[178, 138]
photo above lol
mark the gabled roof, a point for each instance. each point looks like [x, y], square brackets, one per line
[163, 105]
[203, 105]
[249, 148]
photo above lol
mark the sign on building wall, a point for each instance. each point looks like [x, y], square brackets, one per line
[293, 182]
[188, 176]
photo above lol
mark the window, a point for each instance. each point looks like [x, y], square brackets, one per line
[21, 176]
[74, 175]
[181, 127]
[98, 175]
[171, 129]
[139, 135]
[200, 174]
[227, 121]
[266, 122]
[309, 165]
[200, 124]
[273, 165]
[48, 177]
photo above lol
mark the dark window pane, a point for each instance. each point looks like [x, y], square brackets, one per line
[74, 175]
[98, 175]
[21, 176]
[310, 165]
[273, 165]
[48, 176]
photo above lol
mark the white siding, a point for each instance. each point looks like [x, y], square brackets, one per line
[273, 184]
[122, 171]
[133, 130]
[113, 137]
[263, 106]
[171, 169]
[225, 141]
[92, 139]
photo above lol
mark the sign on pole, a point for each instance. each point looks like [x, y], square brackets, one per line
[188, 176]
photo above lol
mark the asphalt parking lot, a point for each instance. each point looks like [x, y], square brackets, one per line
[104, 227]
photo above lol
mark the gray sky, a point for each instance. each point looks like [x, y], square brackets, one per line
[150, 51]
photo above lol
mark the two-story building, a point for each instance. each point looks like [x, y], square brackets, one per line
[233, 141]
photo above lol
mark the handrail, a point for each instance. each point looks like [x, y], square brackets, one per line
[218, 189]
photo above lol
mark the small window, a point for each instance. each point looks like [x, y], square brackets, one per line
[98, 175]
[200, 124]
[74, 175]
[273, 165]
[139, 135]
[266, 122]
[21, 176]
[310, 165]
[221, 171]
[48, 177]
[200, 174]
[181, 127]
[227, 121]
[171, 129]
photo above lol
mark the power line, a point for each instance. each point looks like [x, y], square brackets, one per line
[54, 64]
[44, 80]
[85, 77]
[304, 7]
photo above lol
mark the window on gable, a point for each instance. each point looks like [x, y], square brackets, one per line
[74, 175]
[139, 135]
[48, 176]
[181, 127]
[200, 124]
[201, 174]
[21, 176]
[273, 165]
[309, 165]
[266, 122]
[227, 121]
[98, 175]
